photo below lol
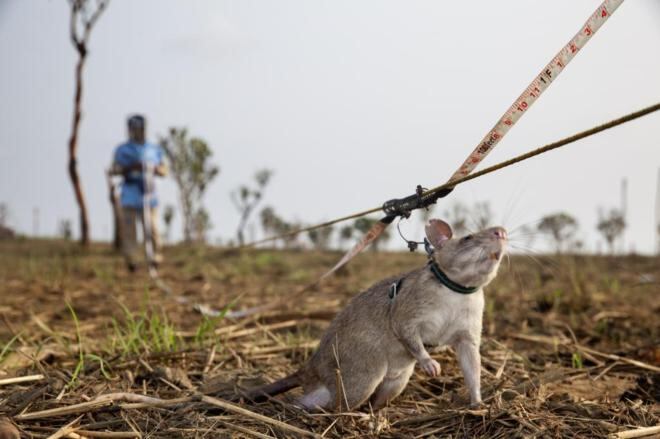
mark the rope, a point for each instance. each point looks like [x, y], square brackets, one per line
[434, 192]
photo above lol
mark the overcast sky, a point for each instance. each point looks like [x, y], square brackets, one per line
[351, 103]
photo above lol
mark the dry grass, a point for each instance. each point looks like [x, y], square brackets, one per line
[571, 347]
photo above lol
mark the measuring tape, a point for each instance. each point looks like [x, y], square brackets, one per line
[538, 86]
[512, 115]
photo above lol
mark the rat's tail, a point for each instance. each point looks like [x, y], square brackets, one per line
[261, 393]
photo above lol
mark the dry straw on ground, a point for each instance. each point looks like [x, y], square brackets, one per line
[571, 348]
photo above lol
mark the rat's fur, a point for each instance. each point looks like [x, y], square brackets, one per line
[375, 341]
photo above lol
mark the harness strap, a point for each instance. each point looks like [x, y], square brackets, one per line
[395, 287]
[442, 277]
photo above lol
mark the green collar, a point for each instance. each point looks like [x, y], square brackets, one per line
[442, 277]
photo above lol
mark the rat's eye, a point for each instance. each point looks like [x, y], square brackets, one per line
[466, 238]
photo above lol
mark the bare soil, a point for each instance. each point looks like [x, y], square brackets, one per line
[571, 346]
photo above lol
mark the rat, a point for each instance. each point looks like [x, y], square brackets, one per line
[372, 345]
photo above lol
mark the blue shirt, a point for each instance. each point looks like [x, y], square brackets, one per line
[132, 189]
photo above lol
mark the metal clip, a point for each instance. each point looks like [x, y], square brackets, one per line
[404, 206]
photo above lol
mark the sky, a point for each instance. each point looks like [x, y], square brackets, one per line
[349, 103]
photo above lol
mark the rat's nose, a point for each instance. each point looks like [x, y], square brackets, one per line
[500, 233]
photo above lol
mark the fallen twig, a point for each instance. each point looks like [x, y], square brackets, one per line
[135, 401]
[67, 410]
[555, 341]
[245, 430]
[109, 434]
[65, 430]
[638, 432]
[244, 412]
[24, 379]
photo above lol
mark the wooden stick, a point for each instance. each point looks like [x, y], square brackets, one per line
[278, 349]
[134, 400]
[245, 430]
[638, 432]
[82, 432]
[110, 434]
[62, 411]
[161, 403]
[566, 342]
[64, 431]
[24, 379]
[262, 328]
[209, 360]
[614, 357]
[265, 419]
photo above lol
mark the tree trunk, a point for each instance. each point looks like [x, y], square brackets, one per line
[187, 218]
[73, 150]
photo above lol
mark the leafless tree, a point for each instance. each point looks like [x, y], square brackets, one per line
[84, 15]
[272, 224]
[320, 238]
[561, 227]
[64, 229]
[202, 222]
[245, 199]
[611, 226]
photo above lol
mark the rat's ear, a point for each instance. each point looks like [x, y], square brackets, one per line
[437, 232]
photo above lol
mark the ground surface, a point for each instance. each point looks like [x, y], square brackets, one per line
[571, 346]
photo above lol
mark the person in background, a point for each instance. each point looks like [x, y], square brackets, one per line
[129, 161]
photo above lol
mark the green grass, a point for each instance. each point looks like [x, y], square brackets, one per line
[576, 360]
[143, 333]
[6, 349]
[81, 354]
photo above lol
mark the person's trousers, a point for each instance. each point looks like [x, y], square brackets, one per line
[131, 217]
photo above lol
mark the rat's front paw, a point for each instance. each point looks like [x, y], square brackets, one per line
[431, 367]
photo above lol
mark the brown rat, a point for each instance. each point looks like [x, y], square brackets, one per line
[8, 430]
[374, 343]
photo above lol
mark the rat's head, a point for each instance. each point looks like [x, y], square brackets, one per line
[472, 260]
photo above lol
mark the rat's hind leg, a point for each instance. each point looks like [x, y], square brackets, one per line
[391, 387]
[359, 387]
[318, 398]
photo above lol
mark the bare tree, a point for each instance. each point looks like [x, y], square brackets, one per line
[272, 224]
[245, 199]
[202, 224]
[84, 15]
[320, 238]
[64, 229]
[191, 168]
[561, 227]
[611, 225]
